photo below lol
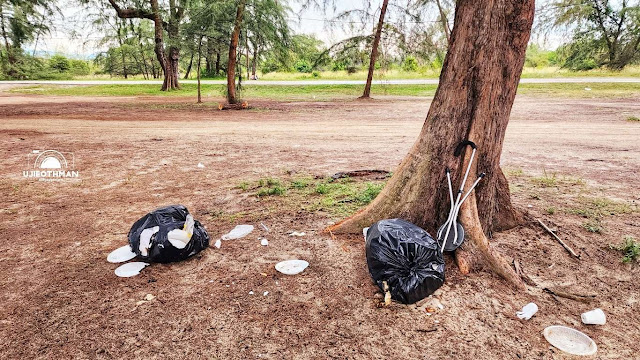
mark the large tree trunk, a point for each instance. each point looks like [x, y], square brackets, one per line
[477, 88]
[233, 46]
[374, 50]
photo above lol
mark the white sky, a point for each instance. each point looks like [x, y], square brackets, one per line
[85, 43]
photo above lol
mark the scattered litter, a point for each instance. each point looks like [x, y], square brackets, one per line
[200, 165]
[529, 206]
[265, 293]
[405, 256]
[570, 340]
[295, 233]
[264, 227]
[180, 237]
[587, 89]
[264, 242]
[250, 292]
[78, 243]
[238, 232]
[145, 239]
[594, 317]
[291, 267]
[168, 234]
[436, 321]
[218, 244]
[527, 311]
[121, 254]
[149, 297]
[130, 269]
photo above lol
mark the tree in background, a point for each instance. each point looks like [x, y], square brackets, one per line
[606, 33]
[21, 21]
[477, 88]
[233, 47]
[168, 20]
[374, 50]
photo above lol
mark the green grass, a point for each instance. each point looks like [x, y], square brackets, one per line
[340, 197]
[633, 119]
[630, 249]
[593, 226]
[323, 92]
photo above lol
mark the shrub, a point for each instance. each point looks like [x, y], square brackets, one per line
[410, 64]
[302, 66]
[630, 249]
[59, 63]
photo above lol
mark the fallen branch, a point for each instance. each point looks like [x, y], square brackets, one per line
[565, 246]
[577, 297]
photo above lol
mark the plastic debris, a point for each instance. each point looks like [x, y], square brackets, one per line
[149, 297]
[296, 233]
[291, 267]
[238, 232]
[264, 242]
[265, 293]
[527, 311]
[570, 340]
[145, 239]
[264, 227]
[587, 89]
[200, 165]
[167, 234]
[594, 317]
[121, 254]
[130, 269]
[250, 292]
[406, 257]
[218, 244]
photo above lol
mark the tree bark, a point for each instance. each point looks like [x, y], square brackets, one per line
[374, 50]
[477, 88]
[233, 46]
[199, 56]
[186, 73]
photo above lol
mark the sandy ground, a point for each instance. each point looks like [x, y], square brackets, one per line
[59, 297]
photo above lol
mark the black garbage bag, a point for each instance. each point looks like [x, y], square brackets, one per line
[406, 257]
[160, 249]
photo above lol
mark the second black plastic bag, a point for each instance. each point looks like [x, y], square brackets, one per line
[406, 257]
[167, 234]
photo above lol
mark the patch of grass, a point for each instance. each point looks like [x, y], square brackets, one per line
[270, 187]
[630, 249]
[325, 92]
[550, 210]
[596, 208]
[633, 119]
[269, 191]
[545, 180]
[514, 172]
[534, 196]
[593, 226]
[301, 183]
[243, 185]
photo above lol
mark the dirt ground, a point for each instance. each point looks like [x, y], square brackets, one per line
[569, 162]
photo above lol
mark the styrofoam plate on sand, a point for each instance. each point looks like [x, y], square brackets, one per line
[570, 340]
[291, 267]
[121, 254]
[131, 269]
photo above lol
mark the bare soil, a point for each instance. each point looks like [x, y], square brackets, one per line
[59, 297]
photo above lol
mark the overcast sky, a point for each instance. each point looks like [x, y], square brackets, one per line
[85, 42]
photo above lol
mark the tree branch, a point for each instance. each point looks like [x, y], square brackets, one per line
[130, 13]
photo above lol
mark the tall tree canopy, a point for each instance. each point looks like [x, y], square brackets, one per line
[606, 33]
